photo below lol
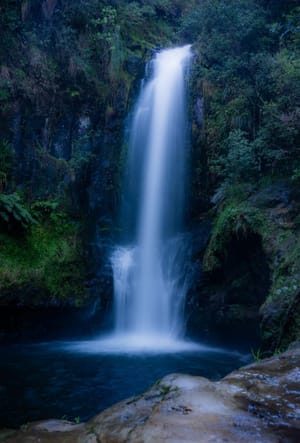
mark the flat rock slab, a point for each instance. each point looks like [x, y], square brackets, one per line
[259, 404]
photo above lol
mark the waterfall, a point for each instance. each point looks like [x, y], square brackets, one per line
[149, 268]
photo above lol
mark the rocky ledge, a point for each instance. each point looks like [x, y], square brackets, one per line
[258, 403]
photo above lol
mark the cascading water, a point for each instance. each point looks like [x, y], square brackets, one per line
[150, 281]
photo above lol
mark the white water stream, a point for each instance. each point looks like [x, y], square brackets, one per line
[150, 281]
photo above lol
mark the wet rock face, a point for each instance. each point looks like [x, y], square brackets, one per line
[65, 149]
[270, 390]
[259, 403]
[228, 299]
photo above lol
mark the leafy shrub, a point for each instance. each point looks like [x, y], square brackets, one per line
[14, 212]
[43, 208]
[240, 163]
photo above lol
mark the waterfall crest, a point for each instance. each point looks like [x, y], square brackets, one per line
[150, 279]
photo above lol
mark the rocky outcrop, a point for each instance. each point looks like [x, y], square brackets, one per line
[250, 280]
[229, 298]
[258, 403]
[62, 127]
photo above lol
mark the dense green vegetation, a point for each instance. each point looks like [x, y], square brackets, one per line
[45, 260]
[248, 71]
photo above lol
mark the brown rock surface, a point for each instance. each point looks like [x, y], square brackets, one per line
[259, 404]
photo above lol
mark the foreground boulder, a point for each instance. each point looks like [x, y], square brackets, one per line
[258, 403]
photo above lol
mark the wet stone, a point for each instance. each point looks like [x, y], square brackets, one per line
[258, 403]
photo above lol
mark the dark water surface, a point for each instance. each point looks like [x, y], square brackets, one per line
[51, 381]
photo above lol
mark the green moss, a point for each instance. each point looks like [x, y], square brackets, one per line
[47, 257]
[234, 219]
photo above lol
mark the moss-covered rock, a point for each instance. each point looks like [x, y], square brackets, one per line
[268, 216]
[47, 257]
